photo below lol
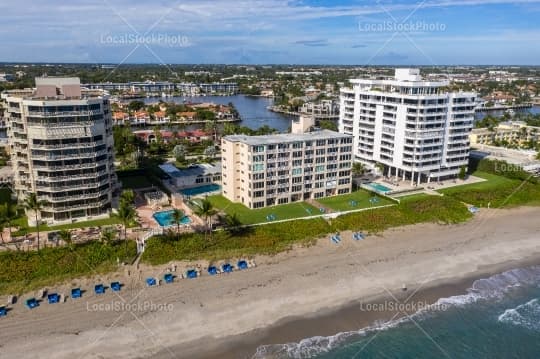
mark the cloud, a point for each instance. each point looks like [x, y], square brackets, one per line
[312, 43]
[358, 46]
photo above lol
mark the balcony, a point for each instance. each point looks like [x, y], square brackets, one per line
[54, 199]
[68, 145]
[63, 113]
[52, 157]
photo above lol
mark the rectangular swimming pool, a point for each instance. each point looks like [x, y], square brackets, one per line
[379, 187]
[165, 219]
[201, 190]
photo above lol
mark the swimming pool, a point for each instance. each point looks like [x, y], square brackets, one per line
[379, 187]
[165, 219]
[200, 190]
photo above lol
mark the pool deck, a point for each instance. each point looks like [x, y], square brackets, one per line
[428, 188]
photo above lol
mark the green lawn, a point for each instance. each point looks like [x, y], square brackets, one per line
[498, 191]
[135, 182]
[251, 216]
[361, 197]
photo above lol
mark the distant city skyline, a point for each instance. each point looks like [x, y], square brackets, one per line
[437, 32]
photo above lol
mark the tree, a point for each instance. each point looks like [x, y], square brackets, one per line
[462, 172]
[233, 223]
[328, 125]
[65, 236]
[108, 235]
[127, 196]
[32, 203]
[177, 216]
[206, 210]
[8, 212]
[136, 105]
[126, 211]
[358, 169]
[210, 151]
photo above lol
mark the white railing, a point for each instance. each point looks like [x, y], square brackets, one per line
[63, 113]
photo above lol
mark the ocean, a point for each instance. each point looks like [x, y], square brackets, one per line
[499, 317]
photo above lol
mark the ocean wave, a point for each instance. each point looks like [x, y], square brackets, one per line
[525, 315]
[311, 347]
[482, 289]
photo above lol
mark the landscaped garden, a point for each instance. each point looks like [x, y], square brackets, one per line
[355, 200]
[263, 215]
[505, 186]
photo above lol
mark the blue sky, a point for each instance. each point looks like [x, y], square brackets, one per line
[431, 32]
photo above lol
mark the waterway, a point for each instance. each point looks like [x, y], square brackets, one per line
[253, 110]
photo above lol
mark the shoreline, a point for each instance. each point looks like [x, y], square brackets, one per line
[287, 297]
[331, 321]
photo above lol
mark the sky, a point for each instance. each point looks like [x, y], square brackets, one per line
[378, 32]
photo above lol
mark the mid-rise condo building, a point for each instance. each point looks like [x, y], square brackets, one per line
[415, 129]
[61, 148]
[261, 171]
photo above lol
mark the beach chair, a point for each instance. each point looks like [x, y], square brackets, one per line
[76, 293]
[150, 282]
[3, 311]
[99, 289]
[191, 274]
[242, 265]
[168, 278]
[116, 286]
[212, 270]
[11, 299]
[53, 298]
[252, 263]
[31, 303]
[227, 268]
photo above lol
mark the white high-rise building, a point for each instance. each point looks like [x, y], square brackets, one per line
[61, 148]
[416, 129]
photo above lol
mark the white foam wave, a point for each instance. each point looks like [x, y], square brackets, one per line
[525, 315]
[488, 288]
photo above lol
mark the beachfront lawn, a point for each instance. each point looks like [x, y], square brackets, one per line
[497, 191]
[360, 198]
[273, 238]
[25, 271]
[252, 216]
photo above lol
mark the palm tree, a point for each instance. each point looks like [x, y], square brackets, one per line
[233, 223]
[108, 235]
[65, 236]
[32, 203]
[358, 169]
[177, 216]
[126, 215]
[206, 210]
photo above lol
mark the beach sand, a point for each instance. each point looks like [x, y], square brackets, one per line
[316, 290]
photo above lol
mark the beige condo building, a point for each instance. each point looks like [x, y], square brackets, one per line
[261, 171]
[61, 147]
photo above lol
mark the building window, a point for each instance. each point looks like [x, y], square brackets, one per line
[258, 167]
[296, 171]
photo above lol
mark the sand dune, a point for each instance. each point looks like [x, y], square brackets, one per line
[302, 282]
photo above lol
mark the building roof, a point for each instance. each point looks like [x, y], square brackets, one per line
[285, 137]
[192, 171]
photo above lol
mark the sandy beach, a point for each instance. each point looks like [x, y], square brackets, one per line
[297, 294]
